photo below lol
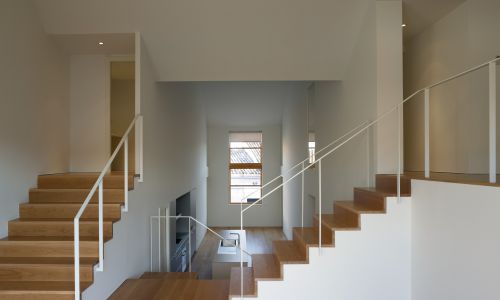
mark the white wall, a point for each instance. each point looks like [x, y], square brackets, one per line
[250, 106]
[459, 109]
[174, 163]
[455, 242]
[34, 106]
[311, 186]
[90, 112]
[373, 263]
[340, 107]
[295, 139]
[220, 212]
[371, 86]
[389, 83]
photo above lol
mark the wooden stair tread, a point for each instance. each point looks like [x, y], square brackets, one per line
[288, 252]
[358, 207]
[46, 260]
[371, 197]
[41, 286]
[248, 282]
[113, 180]
[68, 205]
[310, 236]
[335, 224]
[50, 239]
[85, 191]
[380, 192]
[169, 275]
[56, 221]
[113, 174]
[46, 248]
[21, 227]
[62, 211]
[75, 196]
[403, 176]
[87, 174]
[388, 183]
[266, 267]
[44, 271]
[64, 220]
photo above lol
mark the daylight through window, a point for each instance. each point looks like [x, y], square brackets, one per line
[245, 166]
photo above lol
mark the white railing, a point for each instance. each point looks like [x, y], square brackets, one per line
[190, 219]
[99, 186]
[302, 163]
[365, 126]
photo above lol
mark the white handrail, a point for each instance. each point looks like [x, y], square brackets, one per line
[397, 107]
[303, 161]
[99, 185]
[372, 123]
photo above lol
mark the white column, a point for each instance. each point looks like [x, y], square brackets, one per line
[141, 148]
[189, 237]
[320, 225]
[125, 174]
[100, 267]
[398, 111]
[493, 122]
[302, 190]
[427, 166]
[76, 249]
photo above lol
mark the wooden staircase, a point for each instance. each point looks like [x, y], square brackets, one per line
[36, 259]
[267, 267]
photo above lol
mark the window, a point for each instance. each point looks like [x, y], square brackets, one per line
[312, 147]
[312, 150]
[245, 166]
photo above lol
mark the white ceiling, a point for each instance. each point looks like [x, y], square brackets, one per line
[218, 40]
[243, 104]
[419, 14]
[113, 44]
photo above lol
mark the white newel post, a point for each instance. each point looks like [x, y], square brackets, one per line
[493, 121]
[427, 166]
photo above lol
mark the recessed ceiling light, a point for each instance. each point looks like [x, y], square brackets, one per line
[101, 43]
[403, 25]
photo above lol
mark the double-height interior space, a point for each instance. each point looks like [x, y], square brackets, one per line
[223, 149]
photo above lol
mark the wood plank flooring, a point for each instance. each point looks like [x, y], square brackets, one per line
[259, 241]
[474, 179]
[159, 289]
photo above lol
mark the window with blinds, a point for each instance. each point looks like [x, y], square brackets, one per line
[245, 166]
[312, 147]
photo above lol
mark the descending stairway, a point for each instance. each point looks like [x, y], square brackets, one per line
[36, 259]
[268, 267]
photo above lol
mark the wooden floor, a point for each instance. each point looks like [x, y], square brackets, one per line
[259, 241]
[475, 179]
[160, 289]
